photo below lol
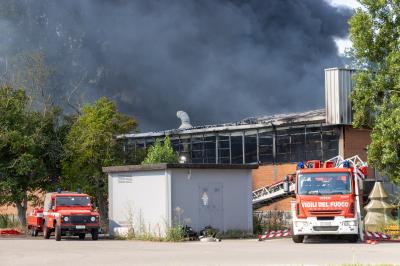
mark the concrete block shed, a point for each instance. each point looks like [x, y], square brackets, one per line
[198, 195]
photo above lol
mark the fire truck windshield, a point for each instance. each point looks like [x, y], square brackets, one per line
[72, 201]
[323, 184]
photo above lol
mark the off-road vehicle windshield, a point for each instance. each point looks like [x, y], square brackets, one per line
[72, 201]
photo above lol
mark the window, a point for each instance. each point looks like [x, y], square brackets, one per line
[265, 140]
[197, 149]
[324, 184]
[251, 148]
[223, 149]
[72, 201]
[237, 149]
[209, 149]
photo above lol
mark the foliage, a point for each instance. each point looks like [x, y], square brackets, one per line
[175, 234]
[91, 145]
[375, 32]
[257, 224]
[161, 153]
[9, 221]
[235, 234]
[29, 146]
[270, 220]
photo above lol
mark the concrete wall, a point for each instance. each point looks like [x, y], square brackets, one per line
[227, 194]
[140, 198]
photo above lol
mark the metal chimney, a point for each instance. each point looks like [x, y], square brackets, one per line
[338, 85]
[185, 120]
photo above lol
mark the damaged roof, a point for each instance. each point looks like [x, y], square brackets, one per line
[315, 116]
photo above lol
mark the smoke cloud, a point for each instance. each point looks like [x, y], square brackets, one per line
[220, 60]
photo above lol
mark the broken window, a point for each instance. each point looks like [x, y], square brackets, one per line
[237, 148]
[265, 140]
[250, 144]
[223, 149]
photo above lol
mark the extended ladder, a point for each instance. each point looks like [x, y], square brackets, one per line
[271, 193]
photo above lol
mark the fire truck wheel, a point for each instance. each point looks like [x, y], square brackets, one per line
[58, 233]
[46, 231]
[297, 238]
[82, 236]
[95, 234]
[352, 238]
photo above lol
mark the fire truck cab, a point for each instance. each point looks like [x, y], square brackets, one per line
[69, 213]
[326, 201]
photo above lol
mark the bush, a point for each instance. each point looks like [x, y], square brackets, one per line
[175, 234]
[235, 234]
[9, 221]
[161, 153]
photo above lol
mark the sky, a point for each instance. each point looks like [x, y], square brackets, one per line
[218, 60]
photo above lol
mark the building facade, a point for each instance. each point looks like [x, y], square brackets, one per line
[277, 142]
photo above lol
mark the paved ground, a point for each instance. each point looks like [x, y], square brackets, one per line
[73, 252]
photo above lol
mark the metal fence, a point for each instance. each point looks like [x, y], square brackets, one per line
[271, 220]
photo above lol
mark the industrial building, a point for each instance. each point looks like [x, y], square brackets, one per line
[277, 142]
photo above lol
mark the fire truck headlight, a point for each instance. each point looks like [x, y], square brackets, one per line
[66, 219]
[300, 224]
[350, 223]
[93, 219]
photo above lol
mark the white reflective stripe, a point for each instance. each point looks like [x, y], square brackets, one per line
[384, 236]
[39, 215]
[376, 235]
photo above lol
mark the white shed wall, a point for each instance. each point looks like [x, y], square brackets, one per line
[145, 194]
[228, 193]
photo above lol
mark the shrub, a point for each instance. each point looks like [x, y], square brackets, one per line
[161, 153]
[175, 234]
[235, 234]
[9, 221]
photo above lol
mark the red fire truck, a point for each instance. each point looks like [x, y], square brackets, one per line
[65, 213]
[327, 199]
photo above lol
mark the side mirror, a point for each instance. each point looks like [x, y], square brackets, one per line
[286, 184]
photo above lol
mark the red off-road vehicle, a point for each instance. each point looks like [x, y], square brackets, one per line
[65, 213]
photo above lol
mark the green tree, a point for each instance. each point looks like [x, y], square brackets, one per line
[91, 145]
[161, 153]
[29, 149]
[374, 31]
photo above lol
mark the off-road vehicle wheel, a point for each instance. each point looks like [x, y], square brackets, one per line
[82, 236]
[95, 234]
[34, 232]
[297, 238]
[46, 231]
[58, 233]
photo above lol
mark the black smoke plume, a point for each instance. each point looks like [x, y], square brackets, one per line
[218, 60]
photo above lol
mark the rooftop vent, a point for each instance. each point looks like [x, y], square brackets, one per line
[185, 120]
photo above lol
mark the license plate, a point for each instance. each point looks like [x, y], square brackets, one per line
[326, 223]
[80, 227]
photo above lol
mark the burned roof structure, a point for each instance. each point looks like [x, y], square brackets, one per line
[266, 139]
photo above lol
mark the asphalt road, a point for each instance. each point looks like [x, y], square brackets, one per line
[25, 251]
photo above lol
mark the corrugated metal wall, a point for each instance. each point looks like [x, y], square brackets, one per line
[338, 85]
